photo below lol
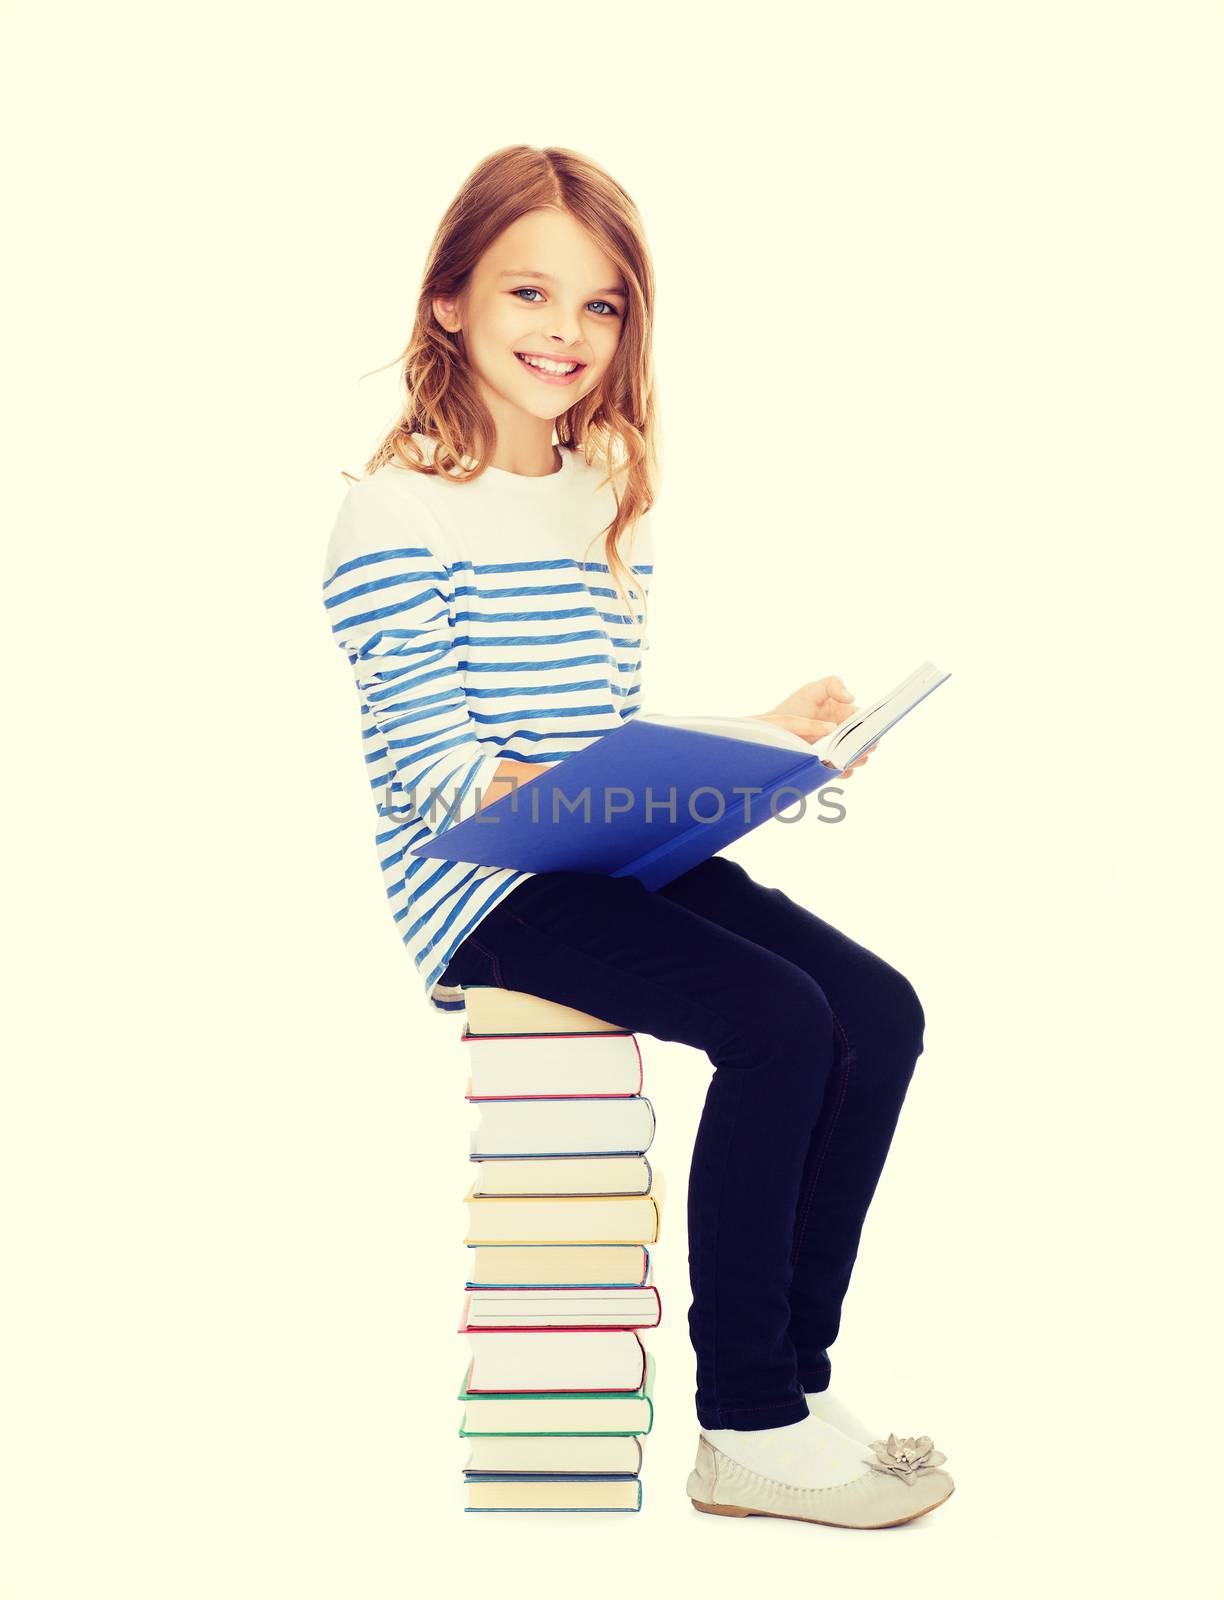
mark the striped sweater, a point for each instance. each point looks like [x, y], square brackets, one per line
[480, 626]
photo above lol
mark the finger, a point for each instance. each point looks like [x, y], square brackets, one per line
[808, 727]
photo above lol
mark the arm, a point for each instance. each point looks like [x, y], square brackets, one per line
[388, 597]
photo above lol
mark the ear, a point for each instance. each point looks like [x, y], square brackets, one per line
[446, 310]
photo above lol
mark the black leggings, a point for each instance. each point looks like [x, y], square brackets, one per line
[813, 1040]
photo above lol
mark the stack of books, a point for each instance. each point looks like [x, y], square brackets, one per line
[561, 1214]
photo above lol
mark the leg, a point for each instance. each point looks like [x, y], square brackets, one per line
[610, 947]
[878, 1025]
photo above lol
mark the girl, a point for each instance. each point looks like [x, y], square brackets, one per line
[487, 645]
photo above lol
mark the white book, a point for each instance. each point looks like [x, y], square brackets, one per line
[561, 1308]
[624, 1125]
[561, 1175]
[574, 1452]
[542, 1065]
[609, 1265]
[553, 1493]
[560, 1361]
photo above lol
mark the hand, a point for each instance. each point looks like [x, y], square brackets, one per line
[816, 709]
[849, 772]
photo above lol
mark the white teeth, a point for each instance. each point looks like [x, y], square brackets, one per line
[558, 368]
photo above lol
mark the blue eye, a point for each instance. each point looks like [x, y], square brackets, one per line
[612, 309]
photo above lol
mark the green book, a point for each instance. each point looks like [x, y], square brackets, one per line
[620, 1413]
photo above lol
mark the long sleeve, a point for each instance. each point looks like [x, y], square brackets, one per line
[388, 594]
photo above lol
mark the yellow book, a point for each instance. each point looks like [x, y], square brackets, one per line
[525, 1265]
[491, 1010]
[565, 1219]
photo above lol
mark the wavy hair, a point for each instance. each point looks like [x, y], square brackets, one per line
[615, 426]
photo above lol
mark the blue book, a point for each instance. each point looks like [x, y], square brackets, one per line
[658, 795]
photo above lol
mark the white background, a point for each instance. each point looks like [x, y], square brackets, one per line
[939, 347]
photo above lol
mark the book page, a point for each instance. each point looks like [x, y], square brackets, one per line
[859, 732]
[750, 728]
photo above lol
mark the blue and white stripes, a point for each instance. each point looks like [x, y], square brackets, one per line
[477, 631]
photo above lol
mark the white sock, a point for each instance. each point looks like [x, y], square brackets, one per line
[811, 1454]
[825, 1405]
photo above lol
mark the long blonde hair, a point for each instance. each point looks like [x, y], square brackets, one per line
[614, 427]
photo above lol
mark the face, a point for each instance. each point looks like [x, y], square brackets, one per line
[544, 288]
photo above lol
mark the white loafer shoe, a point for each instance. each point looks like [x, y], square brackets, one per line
[900, 1481]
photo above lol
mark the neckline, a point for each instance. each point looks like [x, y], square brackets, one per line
[520, 482]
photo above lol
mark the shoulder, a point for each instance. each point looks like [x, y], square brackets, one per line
[385, 511]
[588, 477]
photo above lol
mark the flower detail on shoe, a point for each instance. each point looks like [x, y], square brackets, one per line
[907, 1458]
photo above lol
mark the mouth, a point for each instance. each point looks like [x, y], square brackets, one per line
[559, 373]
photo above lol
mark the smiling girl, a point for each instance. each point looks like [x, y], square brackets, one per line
[489, 642]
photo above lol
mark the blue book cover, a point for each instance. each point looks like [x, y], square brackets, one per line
[652, 798]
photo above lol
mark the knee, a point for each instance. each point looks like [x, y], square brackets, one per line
[900, 1012]
[788, 1022]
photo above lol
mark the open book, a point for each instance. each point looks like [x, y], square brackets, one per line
[656, 796]
[837, 749]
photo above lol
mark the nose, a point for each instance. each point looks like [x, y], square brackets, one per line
[566, 331]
